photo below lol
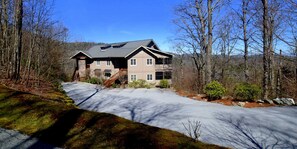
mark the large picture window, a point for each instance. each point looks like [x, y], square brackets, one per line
[163, 75]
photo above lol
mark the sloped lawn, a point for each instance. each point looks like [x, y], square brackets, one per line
[66, 126]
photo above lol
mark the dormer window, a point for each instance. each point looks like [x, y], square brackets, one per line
[104, 47]
[118, 45]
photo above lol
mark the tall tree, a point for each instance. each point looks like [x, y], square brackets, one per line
[245, 38]
[208, 52]
[196, 27]
[18, 20]
[265, 49]
[1, 43]
[4, 31]
[227, 37]
[192, 35]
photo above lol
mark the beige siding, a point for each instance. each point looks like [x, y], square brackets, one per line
[82, 68]
[141, 69]
[103, 65]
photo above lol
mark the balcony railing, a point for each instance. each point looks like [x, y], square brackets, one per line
[163, 66]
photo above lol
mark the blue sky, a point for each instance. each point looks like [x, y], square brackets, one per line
[117, 20]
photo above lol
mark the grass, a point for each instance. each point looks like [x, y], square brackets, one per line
[69, 127]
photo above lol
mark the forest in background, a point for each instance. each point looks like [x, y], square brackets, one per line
[251, 41]
[34, 48]
[32, 45]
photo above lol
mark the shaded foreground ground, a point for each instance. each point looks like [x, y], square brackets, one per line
[236, 127]
[69, 127]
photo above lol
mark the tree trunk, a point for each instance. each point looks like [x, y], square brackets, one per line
[265, 50]
[271, 59]
[1, 39]
[18, 39]
[209, 44]
[4, 30]
[279, 76]
[245, 39]
[203, 43]
[6, 57]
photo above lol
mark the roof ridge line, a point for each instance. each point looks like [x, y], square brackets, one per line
[131, 41]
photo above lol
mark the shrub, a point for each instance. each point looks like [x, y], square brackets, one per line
[95, 80]
[246, 91]
[214, 90]
[114, 85]
[139, 84]
[164, 83]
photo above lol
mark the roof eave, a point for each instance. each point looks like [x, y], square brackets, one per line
[160, 52]
[72, 57]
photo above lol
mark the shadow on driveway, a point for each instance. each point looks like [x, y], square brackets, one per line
[249, 132]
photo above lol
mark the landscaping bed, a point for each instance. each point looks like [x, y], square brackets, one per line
[228, 101]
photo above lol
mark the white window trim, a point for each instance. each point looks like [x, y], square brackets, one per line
[148, 75]
[131, 77]
[97, 63]
[147, 61]
[131, 62]
[107, 63]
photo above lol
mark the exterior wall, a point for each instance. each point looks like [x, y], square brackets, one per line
[141, 69]
[103, 65]
[81, 68]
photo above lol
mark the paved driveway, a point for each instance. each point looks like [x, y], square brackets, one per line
[11, 139]
[236, 127]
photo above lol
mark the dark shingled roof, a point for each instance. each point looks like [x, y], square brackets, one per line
[111, 50]
[117, 50]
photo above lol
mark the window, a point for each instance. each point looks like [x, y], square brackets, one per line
[98, 63]
[164, 61]
[133, 62]
[165, 75]
[149, 61]
[133, 77]
[159, 75]
[108, 63]
[149, 77]
[107, 73]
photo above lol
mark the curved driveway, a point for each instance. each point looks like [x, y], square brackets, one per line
[236, 127]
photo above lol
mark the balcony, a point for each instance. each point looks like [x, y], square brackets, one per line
[163, 67]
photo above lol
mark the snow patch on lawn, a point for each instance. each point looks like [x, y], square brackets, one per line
[230, 126]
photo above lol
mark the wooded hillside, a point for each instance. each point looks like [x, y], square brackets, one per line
[237, 41]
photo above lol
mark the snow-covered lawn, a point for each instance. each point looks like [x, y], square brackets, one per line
[230, 126]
